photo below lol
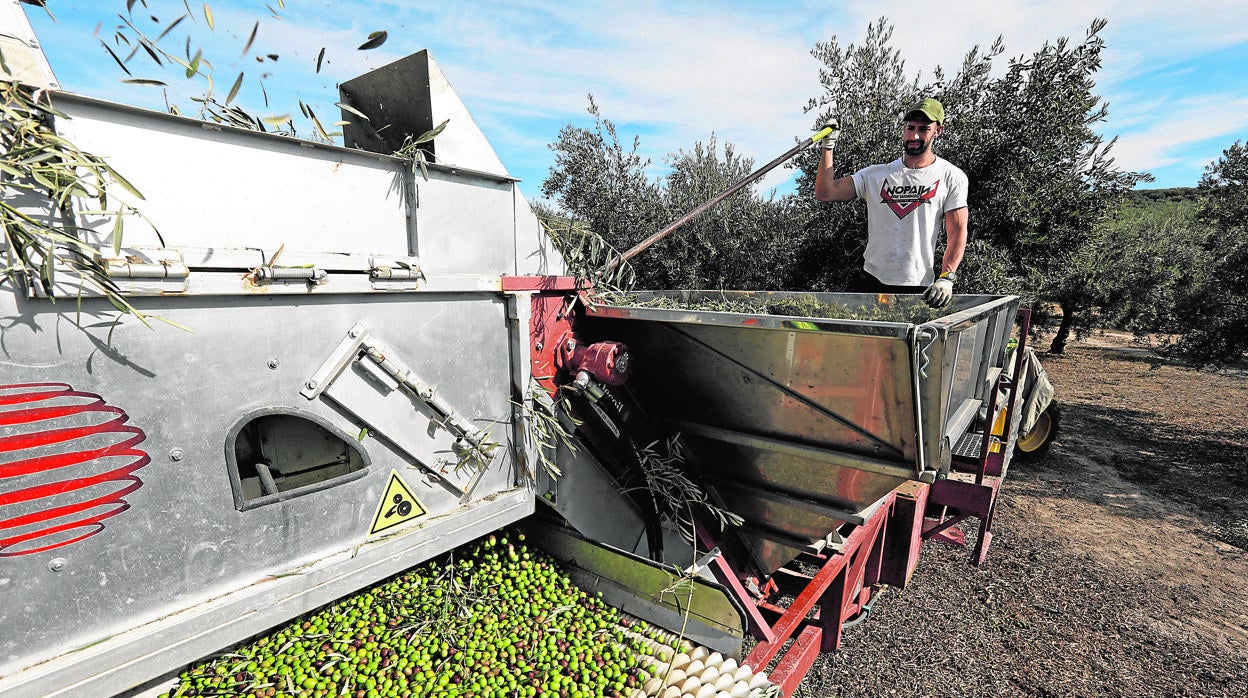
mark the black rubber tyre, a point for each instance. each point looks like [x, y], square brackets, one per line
[1042, 434]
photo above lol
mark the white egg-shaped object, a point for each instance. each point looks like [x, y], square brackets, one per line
[675, 678]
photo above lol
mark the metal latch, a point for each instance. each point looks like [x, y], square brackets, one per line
[309, 274]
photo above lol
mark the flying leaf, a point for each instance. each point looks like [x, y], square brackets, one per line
[319, 57]
[277, 120]
[169, 28]
[145, 81]
[321, 128]
[254, 28]
[353, 110]
[374, 40]
[208, 16]
[194, 65]
[150, 52]
[238, 82]
[273, 56]
[120, 64]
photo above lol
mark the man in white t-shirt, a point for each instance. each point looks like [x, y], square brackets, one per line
[907, 200]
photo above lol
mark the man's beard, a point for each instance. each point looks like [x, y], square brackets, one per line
[917, 147]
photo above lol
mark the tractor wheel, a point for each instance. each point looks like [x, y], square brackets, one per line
[1042, 434]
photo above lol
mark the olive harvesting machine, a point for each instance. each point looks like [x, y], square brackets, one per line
[346, 358]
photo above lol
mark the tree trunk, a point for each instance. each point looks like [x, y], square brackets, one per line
[1063, 330]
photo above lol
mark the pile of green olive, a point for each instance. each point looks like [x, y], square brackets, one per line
[492, 618]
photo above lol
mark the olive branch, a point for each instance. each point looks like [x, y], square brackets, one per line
[38, 164]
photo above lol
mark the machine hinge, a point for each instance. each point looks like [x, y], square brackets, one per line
[171, 268]
[381, 269]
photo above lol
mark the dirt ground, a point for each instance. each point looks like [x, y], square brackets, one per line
[1119, 564]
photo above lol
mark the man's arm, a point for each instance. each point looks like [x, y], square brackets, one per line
[940, 292]
[955, 238]
[827, 186]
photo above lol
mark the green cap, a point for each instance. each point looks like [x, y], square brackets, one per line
[927, 110]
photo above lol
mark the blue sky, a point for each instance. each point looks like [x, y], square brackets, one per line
[672, 73]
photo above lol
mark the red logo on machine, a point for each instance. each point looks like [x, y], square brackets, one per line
[67, 462]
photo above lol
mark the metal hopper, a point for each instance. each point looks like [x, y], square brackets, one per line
[801, 424]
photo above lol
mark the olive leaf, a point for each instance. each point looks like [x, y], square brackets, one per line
[375, 39]
[238, 82]
[252, 38]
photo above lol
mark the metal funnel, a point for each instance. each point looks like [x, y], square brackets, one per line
[800, 424]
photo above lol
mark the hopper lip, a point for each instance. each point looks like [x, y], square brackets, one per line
[979, 307]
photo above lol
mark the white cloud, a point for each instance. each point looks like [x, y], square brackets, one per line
[1166, 138]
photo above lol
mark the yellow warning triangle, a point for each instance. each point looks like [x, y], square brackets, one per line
[397, 505]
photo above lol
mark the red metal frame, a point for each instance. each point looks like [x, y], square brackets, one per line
[551, 320]
[845, 582]
[972, 485]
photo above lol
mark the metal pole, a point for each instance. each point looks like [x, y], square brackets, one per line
[639, 247]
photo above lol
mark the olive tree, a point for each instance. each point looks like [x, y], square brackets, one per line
[1214, 310]
[738, 244]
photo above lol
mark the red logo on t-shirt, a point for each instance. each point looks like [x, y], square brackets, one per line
[904, 198]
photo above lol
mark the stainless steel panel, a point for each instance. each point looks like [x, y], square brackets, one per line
[818, 418]
[177, 539]
[465, 229]
[227, 187]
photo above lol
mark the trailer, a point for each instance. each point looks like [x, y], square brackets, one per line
[341, 380]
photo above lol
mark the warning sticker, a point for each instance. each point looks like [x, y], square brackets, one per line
[397, 505]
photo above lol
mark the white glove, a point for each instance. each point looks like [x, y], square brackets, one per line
[939, 293]
[828, 142]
